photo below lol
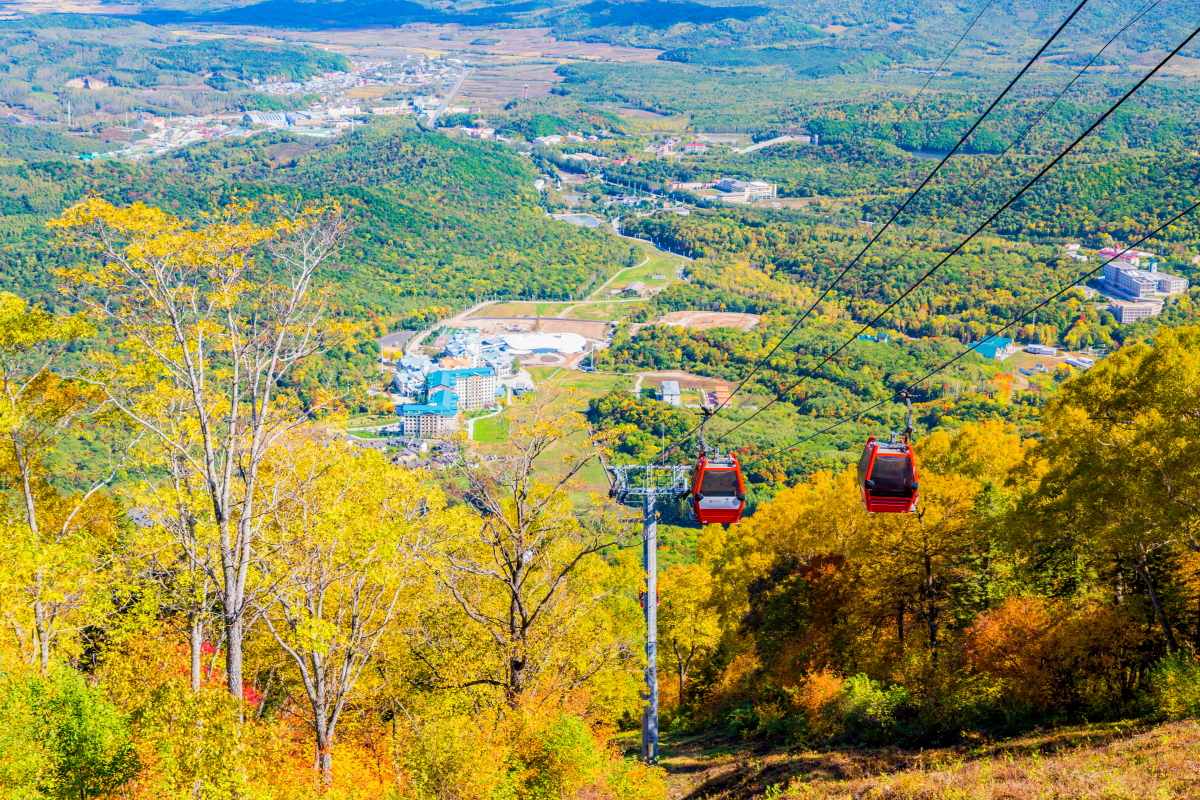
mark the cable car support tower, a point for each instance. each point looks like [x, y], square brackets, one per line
[641, 486]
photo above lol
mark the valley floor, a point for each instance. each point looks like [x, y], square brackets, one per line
[1111, 761]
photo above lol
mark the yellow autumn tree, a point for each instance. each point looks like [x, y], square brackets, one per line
[689, 625]
[56, 535]
[1117, 469]
[213, 315]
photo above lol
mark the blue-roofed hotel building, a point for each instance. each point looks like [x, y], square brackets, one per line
[438, 417]
[475, 387]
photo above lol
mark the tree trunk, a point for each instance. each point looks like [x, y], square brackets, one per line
[1144, 572]
[197, 645]
[516, 680]
[324, 756]
[233, 654]
[41, 634]
[931, 609]
[1196, 633]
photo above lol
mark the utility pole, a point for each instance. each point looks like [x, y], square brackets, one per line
[650, 564]
[642, 485]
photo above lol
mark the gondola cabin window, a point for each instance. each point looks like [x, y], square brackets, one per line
[887, 477]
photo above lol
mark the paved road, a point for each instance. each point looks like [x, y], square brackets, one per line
[471, 422]
[767, 143]
[437, 112]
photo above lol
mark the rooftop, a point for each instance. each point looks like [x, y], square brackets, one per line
[449, 377]
[442, 403]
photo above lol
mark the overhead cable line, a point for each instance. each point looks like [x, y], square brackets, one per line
[900, 210]
[1016, 320]
[962, 194]
[992, 218]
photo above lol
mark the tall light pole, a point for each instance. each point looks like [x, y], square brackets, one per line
[642, 485]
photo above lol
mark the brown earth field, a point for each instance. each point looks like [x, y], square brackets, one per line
[687, 380]
[586, 328]
[703, 320]
[495, 86]
[1099, 761]
[488, 87]
[515, 43]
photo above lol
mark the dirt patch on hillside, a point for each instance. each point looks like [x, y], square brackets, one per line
[1094, 760]
[501, 325]
[686, 380]
[703, 320]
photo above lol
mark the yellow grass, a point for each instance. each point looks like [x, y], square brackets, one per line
[1111, 761]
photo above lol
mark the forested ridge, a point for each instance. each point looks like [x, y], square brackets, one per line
[213, 591]
[435, 218]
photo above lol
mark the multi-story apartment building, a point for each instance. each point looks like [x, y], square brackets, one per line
[475, 387]
[1127, 313]
[438, 417]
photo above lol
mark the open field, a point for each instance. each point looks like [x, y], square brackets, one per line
[592, 384]
[1106, 760]
[687, 381]
[603, 311]
[515, 43]
[703, 320]
[530, 310]
[503, 70]
[646, 274]
[492, 87]
[490, 433]
[491, 429]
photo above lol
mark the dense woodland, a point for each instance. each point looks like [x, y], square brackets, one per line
[320, 622]
[436, 218]
[315, 621]
[1015, 594]
[211, 594]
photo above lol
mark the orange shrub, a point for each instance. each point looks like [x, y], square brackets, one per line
[818, 699]
[1057, 657]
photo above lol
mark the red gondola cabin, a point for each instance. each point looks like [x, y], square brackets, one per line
[887, 477]
[718, 493]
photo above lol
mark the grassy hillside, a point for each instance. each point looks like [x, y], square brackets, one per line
[1113, 760]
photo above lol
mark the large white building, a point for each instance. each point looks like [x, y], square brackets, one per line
[1129, 280]
[527, 343]
[735, 191]
[1127, 313]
